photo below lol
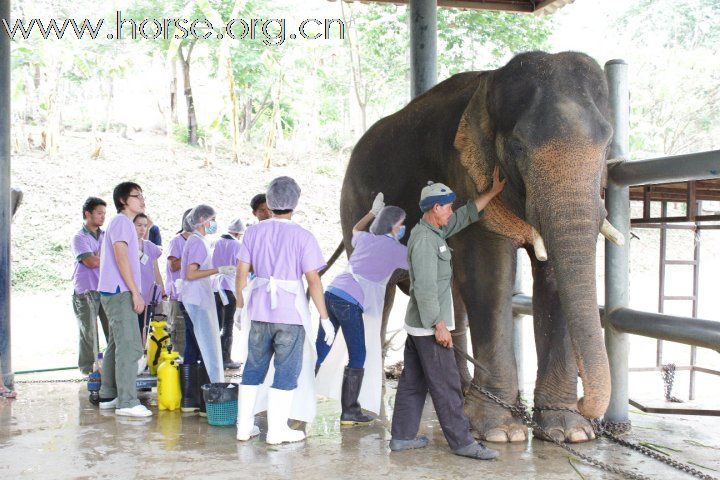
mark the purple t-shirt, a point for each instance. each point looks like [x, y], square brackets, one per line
[175, 249]
[147, 271]
[284, 250]
[84, 245]
[226, 254]
[120, 229]
[194, 251]
[374, 257]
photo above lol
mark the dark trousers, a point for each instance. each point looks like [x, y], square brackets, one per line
[349, 317]
[192, 353]
[225, 314]
[430, 366]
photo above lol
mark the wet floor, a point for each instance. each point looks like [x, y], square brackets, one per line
[52, 431]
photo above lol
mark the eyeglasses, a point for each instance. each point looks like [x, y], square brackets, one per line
[139, 196]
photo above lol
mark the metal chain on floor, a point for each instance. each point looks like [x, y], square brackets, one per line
[668, 375]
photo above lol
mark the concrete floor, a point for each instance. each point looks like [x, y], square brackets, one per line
[52, 431]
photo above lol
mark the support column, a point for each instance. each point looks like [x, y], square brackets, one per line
[518, 325]
[423, 46]
[617, 203]
[5, 217]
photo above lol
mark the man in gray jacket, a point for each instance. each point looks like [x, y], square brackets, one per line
[429, 363]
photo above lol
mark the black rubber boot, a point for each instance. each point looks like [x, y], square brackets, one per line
[188, 386]
[351, 412]
[203, 378]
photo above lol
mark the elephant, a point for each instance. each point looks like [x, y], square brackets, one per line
[544, 120]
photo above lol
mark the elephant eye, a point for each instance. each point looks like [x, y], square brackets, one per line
[515, 146]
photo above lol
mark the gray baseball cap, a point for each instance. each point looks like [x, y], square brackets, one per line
[435, 193]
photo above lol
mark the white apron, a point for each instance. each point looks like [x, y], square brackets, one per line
[330, 376]
[303, 407]
[199, 300]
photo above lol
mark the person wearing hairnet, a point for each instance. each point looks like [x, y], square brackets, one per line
[226, 253]
[355, 301]
[202, 335]
[277, 320]
[176, 315]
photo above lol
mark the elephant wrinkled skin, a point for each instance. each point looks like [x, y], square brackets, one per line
[543, 118]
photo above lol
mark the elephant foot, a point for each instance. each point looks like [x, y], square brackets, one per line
[491, 422]
[563, 426]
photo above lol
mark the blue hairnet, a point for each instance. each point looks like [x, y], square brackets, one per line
[388, 217]
[236, 226]
[197, 216]
[283, 193]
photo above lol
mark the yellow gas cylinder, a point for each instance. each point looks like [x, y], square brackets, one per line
[156, 343]
[168, 382]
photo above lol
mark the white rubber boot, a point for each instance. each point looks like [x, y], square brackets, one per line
[246, 428]
[279, 404]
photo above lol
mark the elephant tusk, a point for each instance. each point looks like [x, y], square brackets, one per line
[612, 233]
[539, 246]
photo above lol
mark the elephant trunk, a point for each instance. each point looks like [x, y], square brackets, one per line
[568, 217]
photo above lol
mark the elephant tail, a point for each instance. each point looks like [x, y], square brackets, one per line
[338, 251]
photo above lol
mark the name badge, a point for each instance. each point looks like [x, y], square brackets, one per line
[443, 248]
[144, 258]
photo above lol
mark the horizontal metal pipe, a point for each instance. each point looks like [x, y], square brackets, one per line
[691, 331]
[688, 330]
[678, 168]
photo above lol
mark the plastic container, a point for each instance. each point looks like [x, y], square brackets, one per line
[221, 403]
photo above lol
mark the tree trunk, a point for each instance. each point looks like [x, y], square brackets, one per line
[192, 119]
[274, 126]
[234, 113]
[173, 93]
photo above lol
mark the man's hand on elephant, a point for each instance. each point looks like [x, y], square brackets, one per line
[442, 335]
[378, 204]
[497, 185]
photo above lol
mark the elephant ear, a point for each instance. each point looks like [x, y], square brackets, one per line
[474, 141]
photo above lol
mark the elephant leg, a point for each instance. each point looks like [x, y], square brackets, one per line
[556, 384]
[485, 270]
[460, 336]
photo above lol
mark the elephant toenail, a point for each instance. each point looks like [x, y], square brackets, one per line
[577, 436]
[496, 435]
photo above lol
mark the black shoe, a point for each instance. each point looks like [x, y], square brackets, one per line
[351, 412]
[230, 365]
[203, 379]
[400, 445]
[188, 386]
[477, 451]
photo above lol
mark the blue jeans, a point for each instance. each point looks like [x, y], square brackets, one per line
[286, 342]
[347, 316]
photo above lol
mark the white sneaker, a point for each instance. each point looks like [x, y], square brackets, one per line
[110, 404]
[278, 412]
[136, 411]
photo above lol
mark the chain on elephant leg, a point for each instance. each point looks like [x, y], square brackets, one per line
[491, 421]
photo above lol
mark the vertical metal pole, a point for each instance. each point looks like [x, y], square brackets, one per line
[663, 269]
[696, 304]
[518, 326]
[423, 46]
[5, 217]
[617, 202]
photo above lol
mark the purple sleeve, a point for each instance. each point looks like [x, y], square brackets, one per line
[401, 257]
[121, 231]
[175, 248]
[196, 253]
[81, 245]
[152, 250]
[243, 254]
[312, 257]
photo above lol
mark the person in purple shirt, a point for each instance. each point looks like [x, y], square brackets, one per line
[355, 301]
[227, 249]
[121, 297]
[278, 321]
[86, 298]
[176, 316]
[150, 276]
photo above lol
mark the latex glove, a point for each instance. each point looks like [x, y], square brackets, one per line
[237, 318]
[227, 270]
[329, 330]
[378, 204]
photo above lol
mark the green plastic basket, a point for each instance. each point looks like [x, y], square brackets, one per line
[222, 414]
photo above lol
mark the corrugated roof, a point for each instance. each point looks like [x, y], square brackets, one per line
[538, 7]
